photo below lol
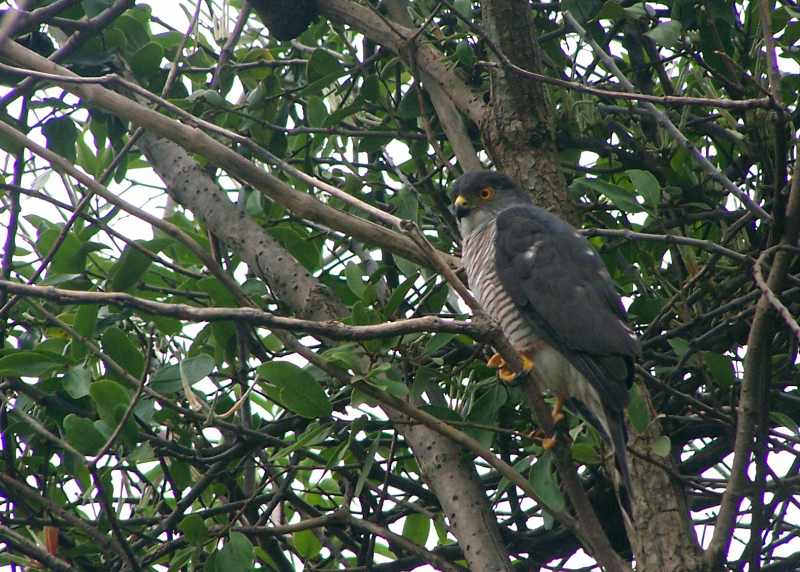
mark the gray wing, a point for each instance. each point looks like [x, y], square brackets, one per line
[563, 289]
[560, 283]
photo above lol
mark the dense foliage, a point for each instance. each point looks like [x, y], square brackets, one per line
[161, 221]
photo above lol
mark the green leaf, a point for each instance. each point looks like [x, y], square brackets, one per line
[107, 396]
[416, 528]
[465, 55]
[167, 379]
[236, 555]
[71, 255]
[217, 291]
[307, 544]
[399, 295]
[135, 32]
[30, 364]
[666, 34]
[611, 10]
[437, 342]
[313, 435]
[721, 369]
[544, 482]
[646, 185]
[194, 529]
[322, 69]
[85, 324]
[443, 413]
[76, 382]
[124, 351]
[317, 112]
[86, 157]
[679, 346]
[61, 134]
[484, 411]
[181, 473]
[622, 198]
[93, 7]
[196, 368]
[147, 60]
[367, 465]
[307, 251]
[82, 434]
[352, 273]
[582, 10]
[586, 453]
[638, 412]
[661, 446]
[298, 391]
[111, 401]
[130, 267]
[7, 144]
[783, 420]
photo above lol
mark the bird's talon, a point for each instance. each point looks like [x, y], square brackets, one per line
[496, 361]
[557, 414]
[506, 374]
[527, 363]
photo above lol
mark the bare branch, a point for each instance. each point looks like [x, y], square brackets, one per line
[331, 328]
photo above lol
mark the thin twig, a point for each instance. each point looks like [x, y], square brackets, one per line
[782, 310]
[667, 124]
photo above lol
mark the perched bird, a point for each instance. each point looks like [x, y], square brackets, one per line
[552, 296]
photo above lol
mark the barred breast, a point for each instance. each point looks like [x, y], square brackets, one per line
[479, 263]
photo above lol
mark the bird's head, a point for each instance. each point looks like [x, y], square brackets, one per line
[479, 196]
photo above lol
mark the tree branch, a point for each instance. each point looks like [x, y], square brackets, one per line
[253, 316]
[756, 369]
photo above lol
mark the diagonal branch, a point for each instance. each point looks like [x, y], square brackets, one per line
[713, 172]
[198, 141]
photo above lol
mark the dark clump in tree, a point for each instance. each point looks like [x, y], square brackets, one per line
[286, 19]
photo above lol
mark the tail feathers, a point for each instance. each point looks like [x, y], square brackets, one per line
[612, 429]
[619, 439]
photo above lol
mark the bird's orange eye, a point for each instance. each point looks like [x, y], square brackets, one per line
[487, 193]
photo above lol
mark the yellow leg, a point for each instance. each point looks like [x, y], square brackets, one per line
[505, 373]
[549, 442]
[558, 415]
[496, 361]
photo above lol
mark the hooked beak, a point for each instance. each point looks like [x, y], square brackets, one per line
[461, 207]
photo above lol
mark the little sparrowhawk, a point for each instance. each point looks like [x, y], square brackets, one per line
[554, 299]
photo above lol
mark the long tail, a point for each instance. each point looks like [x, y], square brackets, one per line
[619, 442]
[612, 429]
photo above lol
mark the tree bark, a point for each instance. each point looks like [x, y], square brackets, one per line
[517, 129]
[662, 537]
[191, 186]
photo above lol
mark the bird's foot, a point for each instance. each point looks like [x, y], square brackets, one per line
[547, 441]
[505, 373]
[557, 414]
